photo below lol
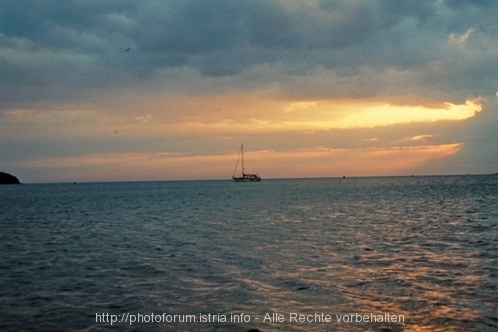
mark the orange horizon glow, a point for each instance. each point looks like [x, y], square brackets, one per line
[202, 119]
[320, 162]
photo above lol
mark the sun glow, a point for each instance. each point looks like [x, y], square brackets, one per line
[368, 116]
[386, 114]
[325, 114]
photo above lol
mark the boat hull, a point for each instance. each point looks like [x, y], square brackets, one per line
[247, 178]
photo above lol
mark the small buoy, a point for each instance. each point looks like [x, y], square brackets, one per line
[344, 176]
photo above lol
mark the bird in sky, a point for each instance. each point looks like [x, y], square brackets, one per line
[116, 132]
[128, 50]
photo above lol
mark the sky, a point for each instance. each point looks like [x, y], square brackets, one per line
[122, 90]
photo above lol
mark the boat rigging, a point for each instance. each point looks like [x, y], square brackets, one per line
[245, 177]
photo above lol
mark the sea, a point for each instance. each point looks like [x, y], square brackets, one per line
[355, 254]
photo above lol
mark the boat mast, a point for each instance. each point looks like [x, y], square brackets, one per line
[242, 150]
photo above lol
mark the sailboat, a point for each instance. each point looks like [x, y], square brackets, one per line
[245, 177]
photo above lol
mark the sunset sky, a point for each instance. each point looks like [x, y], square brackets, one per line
[312, 88]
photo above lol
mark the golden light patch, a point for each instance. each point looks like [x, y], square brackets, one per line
[386, 114]
[324, 115]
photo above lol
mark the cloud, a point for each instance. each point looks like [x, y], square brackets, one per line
[460, 39]
[74, 47]
[421, 137]
[300, 105]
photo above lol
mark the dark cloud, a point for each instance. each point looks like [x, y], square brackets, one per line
[59, 25]
[60, 49]
[188, 27]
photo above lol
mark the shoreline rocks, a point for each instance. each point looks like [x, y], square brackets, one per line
[6, 178]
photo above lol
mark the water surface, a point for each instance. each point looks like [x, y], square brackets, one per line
[422, 247]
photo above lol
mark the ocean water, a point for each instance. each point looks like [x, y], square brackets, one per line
[225, 256]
